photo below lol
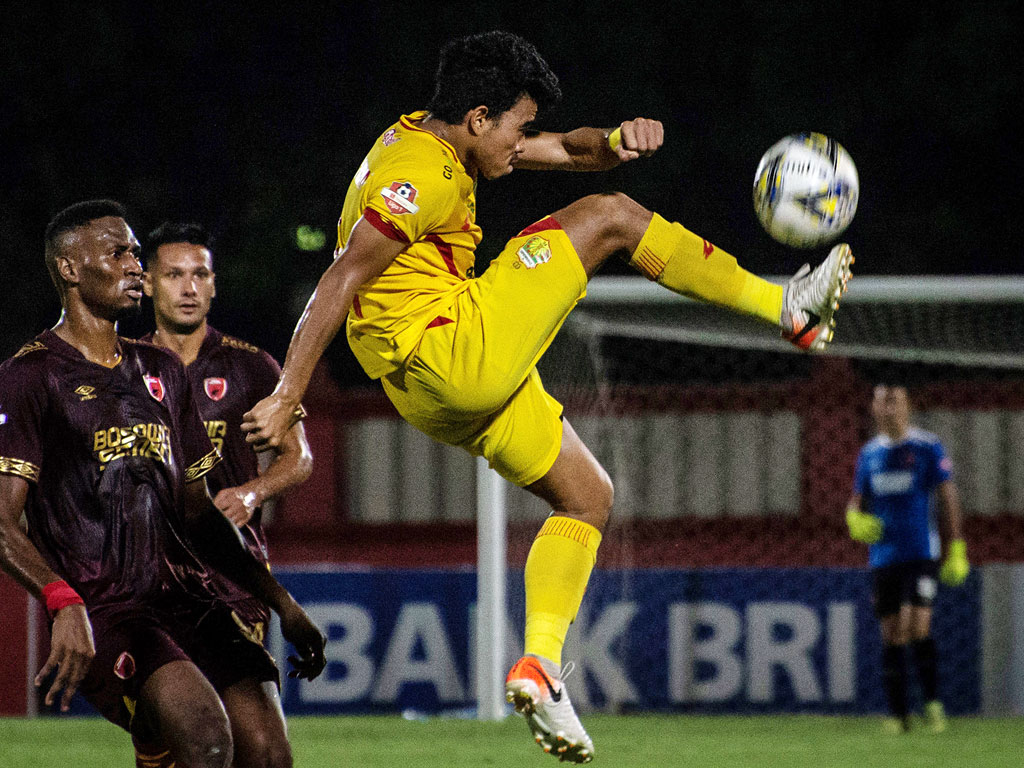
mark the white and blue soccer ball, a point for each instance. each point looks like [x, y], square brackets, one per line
[806, 190]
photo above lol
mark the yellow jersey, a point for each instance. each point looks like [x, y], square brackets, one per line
[413, 188]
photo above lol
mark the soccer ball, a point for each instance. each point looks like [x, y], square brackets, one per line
[805, 190]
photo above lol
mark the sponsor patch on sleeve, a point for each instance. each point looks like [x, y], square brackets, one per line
[400, 197]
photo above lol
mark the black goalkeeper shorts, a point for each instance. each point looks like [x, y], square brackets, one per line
[912, 583]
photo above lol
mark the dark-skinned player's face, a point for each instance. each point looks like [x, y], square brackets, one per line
[103, 262]
[180, 281]
[501, 139]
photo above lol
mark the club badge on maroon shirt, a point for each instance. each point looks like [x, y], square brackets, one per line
[124, 667]
[155, 386]
[215, 387]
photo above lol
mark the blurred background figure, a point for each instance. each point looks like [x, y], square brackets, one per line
[901, 474]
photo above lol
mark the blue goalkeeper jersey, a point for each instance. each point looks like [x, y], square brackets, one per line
[896, 481]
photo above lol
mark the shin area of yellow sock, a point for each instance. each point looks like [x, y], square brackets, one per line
[557, 570]
[688, 264]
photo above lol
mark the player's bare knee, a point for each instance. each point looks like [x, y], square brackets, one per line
[209, 744]
[602, 224]
[618, 217]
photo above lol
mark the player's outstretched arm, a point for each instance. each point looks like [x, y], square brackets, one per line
[592, 149]
[220, 545]
[71, 643]
[366, 254]
[288, 465]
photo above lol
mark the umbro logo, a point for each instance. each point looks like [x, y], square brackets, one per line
[86, 392]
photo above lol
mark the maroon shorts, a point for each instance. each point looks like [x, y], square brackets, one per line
[132, 642]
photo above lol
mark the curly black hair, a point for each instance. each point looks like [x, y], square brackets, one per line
[493, 69]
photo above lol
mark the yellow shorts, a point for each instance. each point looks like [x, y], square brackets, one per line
[472, 382]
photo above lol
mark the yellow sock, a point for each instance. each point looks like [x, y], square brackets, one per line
[557, 571]
[688, 264]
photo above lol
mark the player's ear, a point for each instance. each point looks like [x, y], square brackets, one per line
[67, 269]
[476, 120]
[213, 284]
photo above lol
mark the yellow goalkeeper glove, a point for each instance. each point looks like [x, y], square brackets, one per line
[955, 567]
[863, 527]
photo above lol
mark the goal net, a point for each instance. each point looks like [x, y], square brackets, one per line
[732, 455]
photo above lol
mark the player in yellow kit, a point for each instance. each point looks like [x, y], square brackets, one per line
[457, 354]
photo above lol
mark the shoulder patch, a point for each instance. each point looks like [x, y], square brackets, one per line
[400, 197]
[32, 346]
[229, 341]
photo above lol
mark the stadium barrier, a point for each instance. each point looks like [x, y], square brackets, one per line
[732, 640]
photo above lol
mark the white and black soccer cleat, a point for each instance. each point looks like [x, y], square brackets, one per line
[810, 300]
[543, 700]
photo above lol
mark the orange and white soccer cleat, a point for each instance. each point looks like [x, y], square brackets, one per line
[810, 300]
[541, 697]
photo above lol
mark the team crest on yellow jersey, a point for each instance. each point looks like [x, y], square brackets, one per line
[536, 250]
[400, 197]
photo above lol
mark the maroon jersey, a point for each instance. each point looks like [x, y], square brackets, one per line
[107, 452]
[228, 378]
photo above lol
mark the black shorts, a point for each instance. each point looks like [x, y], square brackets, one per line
[132, 642]
[912, 583]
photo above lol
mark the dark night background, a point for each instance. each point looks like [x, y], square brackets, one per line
[253, 122]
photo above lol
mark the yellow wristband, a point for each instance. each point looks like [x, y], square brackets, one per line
[615, 139]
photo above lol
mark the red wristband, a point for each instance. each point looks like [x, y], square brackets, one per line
[59, 594]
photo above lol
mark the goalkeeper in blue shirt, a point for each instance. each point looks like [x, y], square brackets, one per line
[901, 474]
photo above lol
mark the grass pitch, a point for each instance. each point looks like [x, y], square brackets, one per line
[638, 741]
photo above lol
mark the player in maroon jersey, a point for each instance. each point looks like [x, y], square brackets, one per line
[228, 377]
[103, 450]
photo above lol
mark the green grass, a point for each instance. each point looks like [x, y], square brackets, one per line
[623, 742]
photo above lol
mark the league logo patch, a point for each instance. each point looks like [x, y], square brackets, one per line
[536, 250]
[389, 137]
[3, 419]
[124, 667]
[215, 387]
[155, 386]
[400, 197]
